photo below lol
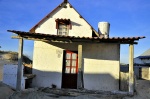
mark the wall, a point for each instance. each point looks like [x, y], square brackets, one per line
[10, 76]
[124, 81]
[79, 26]
[144, 73]
[125, 69]
[101, 66]
[141, 72]
[100, 61]
[47, 64]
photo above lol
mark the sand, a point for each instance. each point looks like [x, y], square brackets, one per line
[5, 91]
[142, 87]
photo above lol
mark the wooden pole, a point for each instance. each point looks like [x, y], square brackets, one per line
[80, 71]
[19, 70]
[131, 69]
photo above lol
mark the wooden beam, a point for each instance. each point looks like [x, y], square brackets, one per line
[131, 69]
[20, 68]
[80, 68]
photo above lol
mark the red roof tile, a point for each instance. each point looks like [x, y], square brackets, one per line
[121, 40]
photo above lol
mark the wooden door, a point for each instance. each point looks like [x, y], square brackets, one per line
[70, 70]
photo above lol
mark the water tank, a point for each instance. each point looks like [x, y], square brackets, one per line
[103, 28]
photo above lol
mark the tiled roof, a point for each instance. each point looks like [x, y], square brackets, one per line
[122, 40]
[144, 57]
[61, 19]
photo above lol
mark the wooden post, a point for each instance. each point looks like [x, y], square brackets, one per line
[80, 69]
[131, 69]
[19, 70]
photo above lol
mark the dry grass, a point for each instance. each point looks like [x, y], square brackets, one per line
[13, 56]
[9, 57]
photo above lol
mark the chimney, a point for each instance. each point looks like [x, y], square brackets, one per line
[65, 1]
[103, 28]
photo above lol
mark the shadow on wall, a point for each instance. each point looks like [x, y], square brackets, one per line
[75, 24]
[92, 51]
[91, 81]
[101, 81]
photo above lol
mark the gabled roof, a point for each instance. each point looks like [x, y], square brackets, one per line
[146, 53]
[32, 30]
[62, 38]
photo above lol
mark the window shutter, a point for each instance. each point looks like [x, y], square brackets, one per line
[56, 24]
[70, 25]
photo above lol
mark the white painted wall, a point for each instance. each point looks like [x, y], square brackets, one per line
[47, 64]
[10, 76]
[100, 61]
[101, 66]
[79, 26]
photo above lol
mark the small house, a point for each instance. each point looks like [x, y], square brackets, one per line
[70, 53]
[143, 59]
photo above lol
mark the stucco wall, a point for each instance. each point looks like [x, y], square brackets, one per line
[47, 64]
[101, 66]
[145, 73]
[100, 62]
[79, 26]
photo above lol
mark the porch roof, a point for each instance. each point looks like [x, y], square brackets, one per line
[69, 39]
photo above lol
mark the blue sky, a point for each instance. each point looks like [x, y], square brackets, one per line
[127, 18]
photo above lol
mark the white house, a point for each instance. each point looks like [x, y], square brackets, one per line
[143, 59]
[69, 53]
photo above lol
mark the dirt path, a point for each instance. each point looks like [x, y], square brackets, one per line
[142, 87]
[142, 90]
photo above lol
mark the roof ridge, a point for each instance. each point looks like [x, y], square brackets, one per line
[65, 1]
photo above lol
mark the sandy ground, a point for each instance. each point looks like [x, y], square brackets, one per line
[5, 91]
[142, 90]
[142, 87]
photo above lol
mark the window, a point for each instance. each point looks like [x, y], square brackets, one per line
[63, 29]
[71, 63]
[63, 26]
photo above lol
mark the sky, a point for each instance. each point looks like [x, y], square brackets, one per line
[127, 18]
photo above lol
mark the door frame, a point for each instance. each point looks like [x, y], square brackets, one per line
[74, 75]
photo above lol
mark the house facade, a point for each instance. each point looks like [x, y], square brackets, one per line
[57, 63]
[69, 53]
[143, 59]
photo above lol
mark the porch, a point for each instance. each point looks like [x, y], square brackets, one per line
[79, 41]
